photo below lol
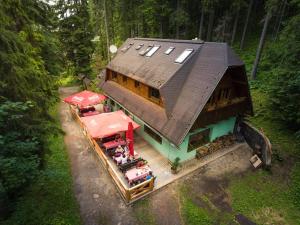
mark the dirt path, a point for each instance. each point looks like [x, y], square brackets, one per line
[99, 201]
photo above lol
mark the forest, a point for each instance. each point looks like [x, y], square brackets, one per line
[45, 44]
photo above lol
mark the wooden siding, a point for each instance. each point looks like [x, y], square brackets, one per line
[228, 99]
[229, 92]
[137, 87]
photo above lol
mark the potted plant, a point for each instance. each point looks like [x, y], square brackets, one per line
[175, 165]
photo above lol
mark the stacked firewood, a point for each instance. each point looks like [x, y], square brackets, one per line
[219, 143]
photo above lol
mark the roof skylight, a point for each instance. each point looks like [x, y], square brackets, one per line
[126, 47]
[169, 50]
[143, 52]
[184, 55]
[139, 46]
[153, 50]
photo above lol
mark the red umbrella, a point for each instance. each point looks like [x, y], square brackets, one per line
[129, 137]
[85, 98]
[107, 124]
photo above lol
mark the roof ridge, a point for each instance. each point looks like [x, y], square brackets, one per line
[170, 40]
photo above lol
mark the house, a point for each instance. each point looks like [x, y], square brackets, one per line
[183, 93]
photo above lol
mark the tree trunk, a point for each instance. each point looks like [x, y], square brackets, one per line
[235, 26]
[177, 24]
[161, 29]
[246, 25]
[280, 20]
[106, 30]
[260, 46]
[201, 23]
[224, 28]
[210, 25]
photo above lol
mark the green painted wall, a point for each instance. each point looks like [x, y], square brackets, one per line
[218, 129]
[169, 150]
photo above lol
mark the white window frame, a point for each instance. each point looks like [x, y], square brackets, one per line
[152, 50]
[143, 52]
[184, 55]
[169, 50]
[126, 47]
[139, 46]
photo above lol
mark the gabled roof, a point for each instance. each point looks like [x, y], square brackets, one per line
[155, 70]
[185, 88]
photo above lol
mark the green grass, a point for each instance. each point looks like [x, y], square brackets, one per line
[263, 199]
[50, 200]
[142, 213]
[68, 81]
[207, 214]
[262, 196]
[192, 214]
[283, 140]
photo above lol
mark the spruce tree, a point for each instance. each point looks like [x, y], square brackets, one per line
[75, 34]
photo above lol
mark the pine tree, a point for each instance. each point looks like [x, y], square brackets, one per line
[76, 34]
[29, 64]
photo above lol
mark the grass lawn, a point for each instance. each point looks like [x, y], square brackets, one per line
[191, 213]
[263, 199]
[199, 210]
[263, 196]
[142, 213]
[49, 200]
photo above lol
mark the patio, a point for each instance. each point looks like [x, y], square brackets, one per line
[161, 167]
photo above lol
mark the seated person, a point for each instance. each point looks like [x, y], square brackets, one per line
[149, 176]
[106, 108]
[87, 109]
[126, 148]
[118, 159]
[119, 149]
[140, 164]
[124, 159]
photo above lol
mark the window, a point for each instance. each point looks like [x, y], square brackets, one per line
[126, 47]
[152, 51]
[139, 46]
[152, 134]
[199, 139]
[183, 55]
[136, 84]
[153, 93]
[114, 75]
[169, 50]
[112, 103]
[143, 52]
[124, 79]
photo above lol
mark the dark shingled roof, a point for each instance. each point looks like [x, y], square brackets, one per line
[185, 88]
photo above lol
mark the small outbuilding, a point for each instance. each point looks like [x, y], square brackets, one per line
[183, 93]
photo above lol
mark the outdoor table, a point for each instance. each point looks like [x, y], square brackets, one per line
[119, 159]
[130, 164]
[90, 113]
[113, 144]
[136, 174]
